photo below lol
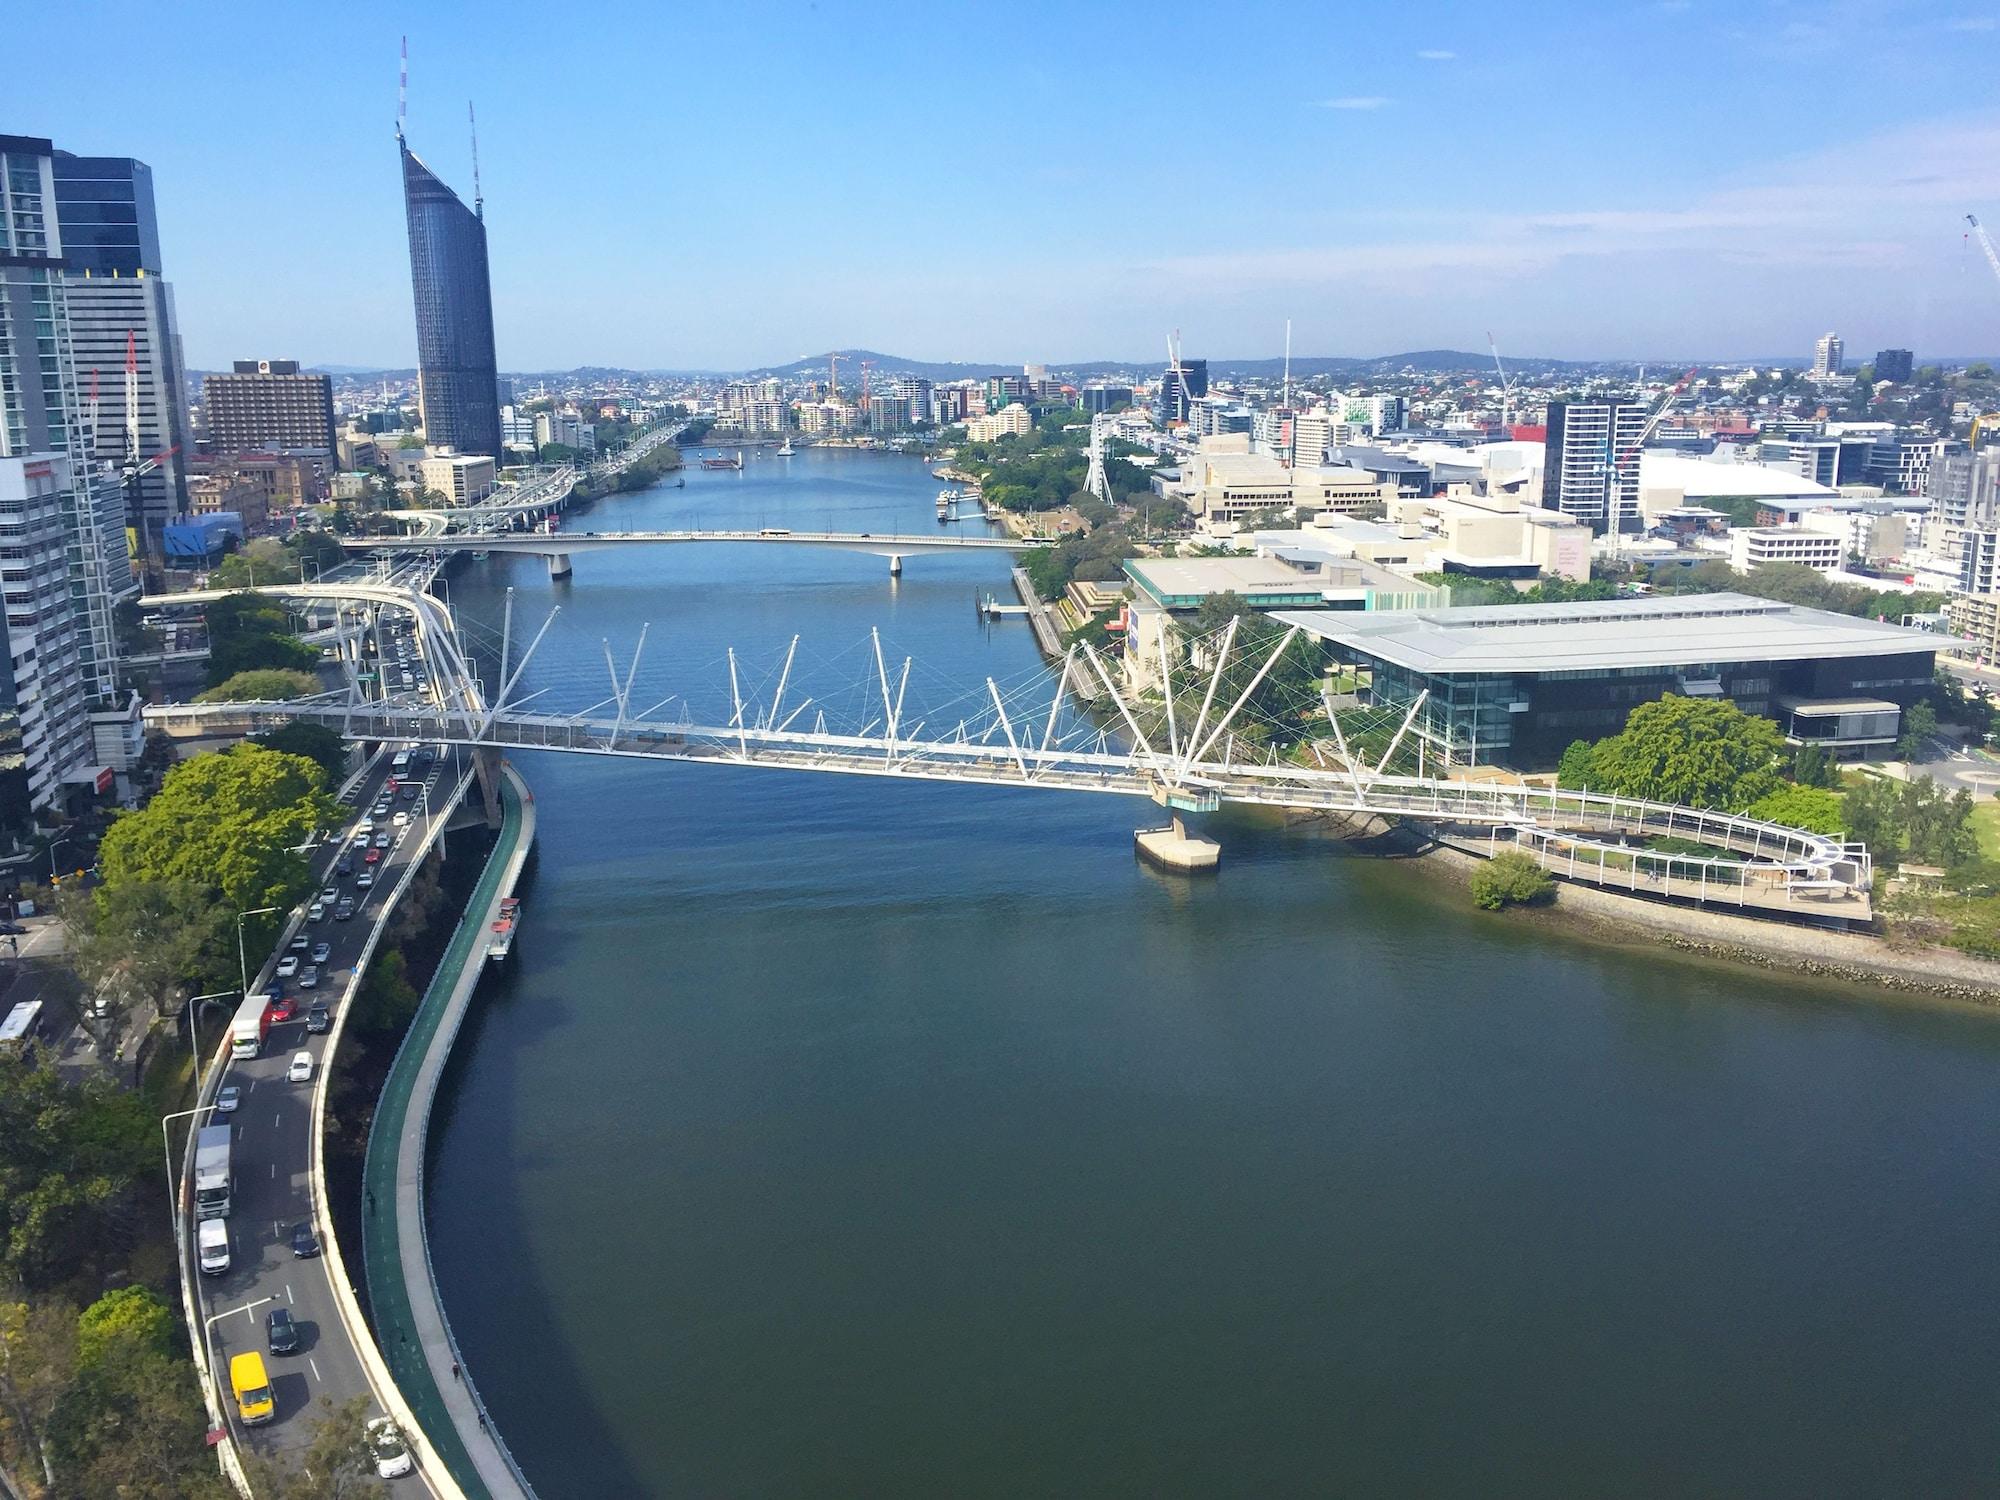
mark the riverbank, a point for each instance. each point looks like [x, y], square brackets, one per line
[1849, 958]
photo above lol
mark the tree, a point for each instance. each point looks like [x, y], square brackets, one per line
[1511, 878]
[1920, 722]
[336, 1464]
[248, 631]
[262, 684]
[322, 746]
[1812, 766]
[1698, 752]
[1810, 807]
[228, 822]
[1578, 767]
[130, 1318]
[141, 941]
[131, 1426]
[37, 1362]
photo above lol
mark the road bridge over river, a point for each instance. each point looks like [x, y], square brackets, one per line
[558, 546]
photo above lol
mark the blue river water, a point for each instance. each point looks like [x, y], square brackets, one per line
[833, 1136]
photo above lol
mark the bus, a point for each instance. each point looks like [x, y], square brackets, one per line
[252, 1387]
[18, 1028]
[401, 764]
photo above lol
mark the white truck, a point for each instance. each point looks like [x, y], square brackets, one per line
[211, 1172]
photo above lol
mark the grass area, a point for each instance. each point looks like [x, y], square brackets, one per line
[1986, 827]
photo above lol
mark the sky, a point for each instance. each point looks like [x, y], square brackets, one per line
[724, 186]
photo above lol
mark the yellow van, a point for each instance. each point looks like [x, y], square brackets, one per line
[252, 1386]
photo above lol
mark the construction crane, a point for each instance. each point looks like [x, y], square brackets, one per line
[1506, 388]
[1630, 453]
[1985, 243]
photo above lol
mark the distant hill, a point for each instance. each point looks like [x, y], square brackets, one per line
[883, 364]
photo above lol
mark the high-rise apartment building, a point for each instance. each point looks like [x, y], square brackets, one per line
[269, 403]
[63, 557]
[1826, 356]
[123, 331]
[1894, 364]
[458, 383]
[1590, 468]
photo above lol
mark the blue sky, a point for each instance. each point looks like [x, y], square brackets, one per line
[723, 186]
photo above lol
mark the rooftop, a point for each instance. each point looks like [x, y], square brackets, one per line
[1655, 632]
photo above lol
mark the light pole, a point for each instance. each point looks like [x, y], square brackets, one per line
[242, 961]
[173, 1183]
[208, 1323]
[194, 1005]
[55, 845]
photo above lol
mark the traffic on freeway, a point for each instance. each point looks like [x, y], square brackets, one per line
[262, 1285]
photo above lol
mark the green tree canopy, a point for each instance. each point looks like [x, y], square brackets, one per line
[130, 1319]
[322, 746]
[249, 631]
[228, 823]
[1814, 808]
[70, 1156]
[1511, 878]
[144, 941]
[1699, 752]
[262, 684]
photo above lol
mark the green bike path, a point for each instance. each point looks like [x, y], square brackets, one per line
[409, 1320]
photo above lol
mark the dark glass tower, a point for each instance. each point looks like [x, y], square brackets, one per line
[457, 383]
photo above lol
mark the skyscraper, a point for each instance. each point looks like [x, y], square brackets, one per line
[1826, 355]
[63, 557]
[458, 385]
[1590, 465]
[1184, 382]
[120, 309]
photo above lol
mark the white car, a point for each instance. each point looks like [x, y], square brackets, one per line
[227, 1098]
[387, 1448]
[288, 966]
[316, 912]
[402, 820]
[301, 1070]
[366, 825]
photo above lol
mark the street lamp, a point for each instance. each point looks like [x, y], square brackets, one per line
[173, 1183]
[242, 962]
[208, 1323]
[194, 1005]
[53, 846]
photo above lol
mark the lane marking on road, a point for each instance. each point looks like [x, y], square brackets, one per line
[288, 1293]
[315, 1368]
[274, 1171]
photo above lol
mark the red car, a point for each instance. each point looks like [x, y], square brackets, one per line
[373, 856]
[283, 1010]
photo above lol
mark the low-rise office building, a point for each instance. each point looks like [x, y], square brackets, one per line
[1757, 546]
[461, 478]
[1513, 685]
[1287, 578]
[1976, 618]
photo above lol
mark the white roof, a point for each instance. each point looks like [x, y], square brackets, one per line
[1661, 631]
[1701, 478]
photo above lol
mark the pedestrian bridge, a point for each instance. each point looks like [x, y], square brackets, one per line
[1028, 741]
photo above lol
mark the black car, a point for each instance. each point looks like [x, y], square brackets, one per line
[281, 1332]
[344, 865]
[305, 1244]
[318, 1017]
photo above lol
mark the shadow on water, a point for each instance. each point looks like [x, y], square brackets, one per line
[527, 1374]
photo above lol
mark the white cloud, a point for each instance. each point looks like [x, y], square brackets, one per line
[1436, 54]
[1354, 101]
[1800, 213]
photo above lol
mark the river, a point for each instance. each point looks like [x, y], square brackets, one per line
[829, 1136]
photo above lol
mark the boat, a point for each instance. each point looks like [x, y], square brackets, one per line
[500, 942]
[735, 462]
[785, 449]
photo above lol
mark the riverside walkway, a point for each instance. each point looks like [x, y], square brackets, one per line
[408, 1315]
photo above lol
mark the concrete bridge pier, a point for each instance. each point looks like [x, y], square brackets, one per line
[895, 565]
[559, 565]
[486, 767]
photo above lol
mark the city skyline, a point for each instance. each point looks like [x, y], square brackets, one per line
[792, 186]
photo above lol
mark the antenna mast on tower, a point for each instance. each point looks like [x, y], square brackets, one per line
[478, 198]
[403, 92]
[1288, 364]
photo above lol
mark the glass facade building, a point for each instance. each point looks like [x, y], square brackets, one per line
[457, 382]
[106, 207]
